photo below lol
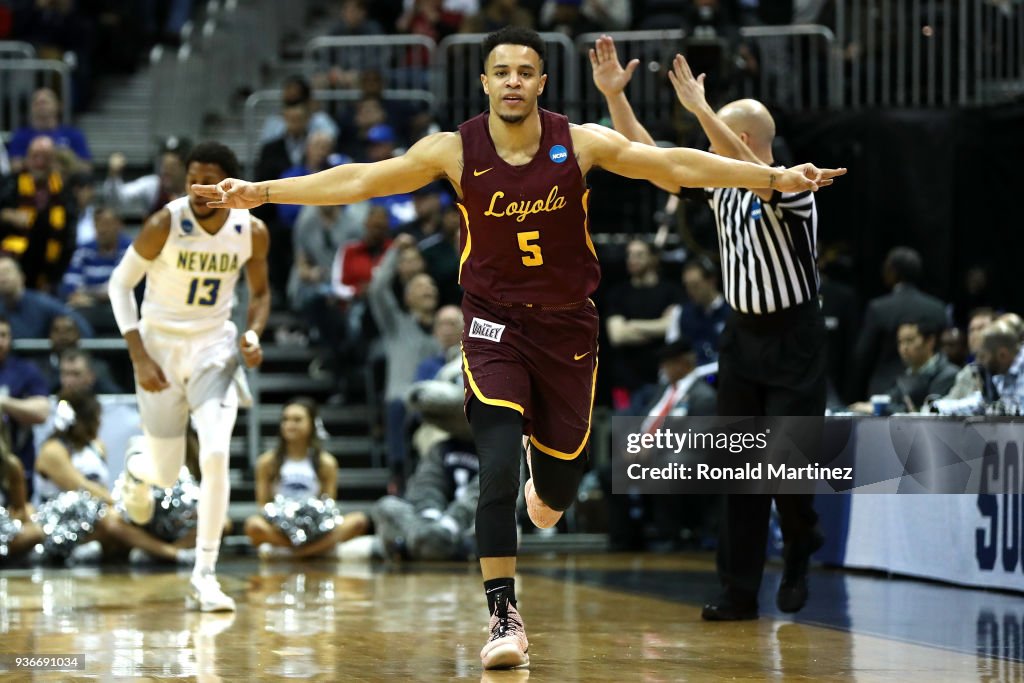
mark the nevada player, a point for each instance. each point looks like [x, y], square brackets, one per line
[183, 348]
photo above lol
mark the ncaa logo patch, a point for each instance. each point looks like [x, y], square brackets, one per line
[485, 329]
[238, 228]
[186, 226]
[558, 154]
[755, 209]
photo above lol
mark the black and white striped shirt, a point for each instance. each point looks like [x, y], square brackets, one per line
[768, 248]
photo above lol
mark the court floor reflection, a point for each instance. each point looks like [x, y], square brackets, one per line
[327, 621]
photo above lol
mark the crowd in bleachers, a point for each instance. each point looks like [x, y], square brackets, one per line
[375, 284]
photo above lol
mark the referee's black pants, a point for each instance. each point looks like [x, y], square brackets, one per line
[770, 364]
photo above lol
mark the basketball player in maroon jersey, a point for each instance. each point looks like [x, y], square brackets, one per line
[527, 267]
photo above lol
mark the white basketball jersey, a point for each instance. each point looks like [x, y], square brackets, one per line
[190, 286]
[297, 480]
[89, 463]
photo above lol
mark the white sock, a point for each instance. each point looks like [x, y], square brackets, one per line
[214, 495]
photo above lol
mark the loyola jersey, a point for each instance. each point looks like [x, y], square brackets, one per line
[525, 237]
[191, 284]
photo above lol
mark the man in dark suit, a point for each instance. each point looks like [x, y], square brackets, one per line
[927, 372]
[683, 393]
[876, 354]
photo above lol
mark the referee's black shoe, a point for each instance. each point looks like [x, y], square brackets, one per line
[792, 595]
[727, 609]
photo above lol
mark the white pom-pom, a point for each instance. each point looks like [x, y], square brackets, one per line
[251, 338]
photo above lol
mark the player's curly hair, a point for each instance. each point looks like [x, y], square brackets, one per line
[513, 35]
[215, 153]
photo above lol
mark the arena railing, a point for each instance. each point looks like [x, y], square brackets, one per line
[264, 103]
[930, 52]
[403, 61]
[19, 77]
[16, 49]
[458, 64]
[797, 66]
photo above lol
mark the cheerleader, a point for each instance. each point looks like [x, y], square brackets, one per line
[298, 470]
[18, 534]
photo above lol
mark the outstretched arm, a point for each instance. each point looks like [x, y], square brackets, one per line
[611, 79]
[600, 146]
[432, 158]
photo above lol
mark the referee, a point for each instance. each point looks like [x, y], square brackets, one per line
[772, 351]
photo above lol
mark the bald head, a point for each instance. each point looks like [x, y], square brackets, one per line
[752, 121]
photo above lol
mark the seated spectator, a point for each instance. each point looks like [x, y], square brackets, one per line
[144, 196]
[713, 46]
[299, 469]
[318, 235]
[406, 338]
[319, 155]
[876, 355]
[37, 218]
[436, 516]
[701, 319]
[85, 283]
[77, 374]
[410, 264]
[294, 91]
[441, 252]
[638, 315]
[355, 262]
[496, 14]
[84, 191]
[287, 149]
[44, 121]
[64, 338]
[969, 378]
[928, 373]
[23, 402]
[567, 16]
[30, 313]
[1000, 363]
[428, 18]
[353, 20]
[953, 345]
[434, 519]
[14, 506]
[448, 324]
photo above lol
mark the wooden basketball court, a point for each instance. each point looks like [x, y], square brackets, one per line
[589, 618]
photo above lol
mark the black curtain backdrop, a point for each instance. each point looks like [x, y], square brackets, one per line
[949, 183]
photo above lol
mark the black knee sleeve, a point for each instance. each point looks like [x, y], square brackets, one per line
[556, 481]
[498, 433]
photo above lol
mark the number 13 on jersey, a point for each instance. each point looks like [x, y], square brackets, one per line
[207, 297]
[533, 256]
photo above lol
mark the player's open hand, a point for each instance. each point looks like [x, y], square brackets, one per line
[231, 193]
[689, 90]
[149, 375]
[807, 177]
[609, 76]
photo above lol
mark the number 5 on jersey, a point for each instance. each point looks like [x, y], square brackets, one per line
[533, 256]
[207, 298]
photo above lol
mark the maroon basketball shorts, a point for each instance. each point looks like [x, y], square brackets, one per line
[541, 361]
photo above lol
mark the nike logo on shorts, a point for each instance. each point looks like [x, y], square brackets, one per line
[477, 173]
[580, 356]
